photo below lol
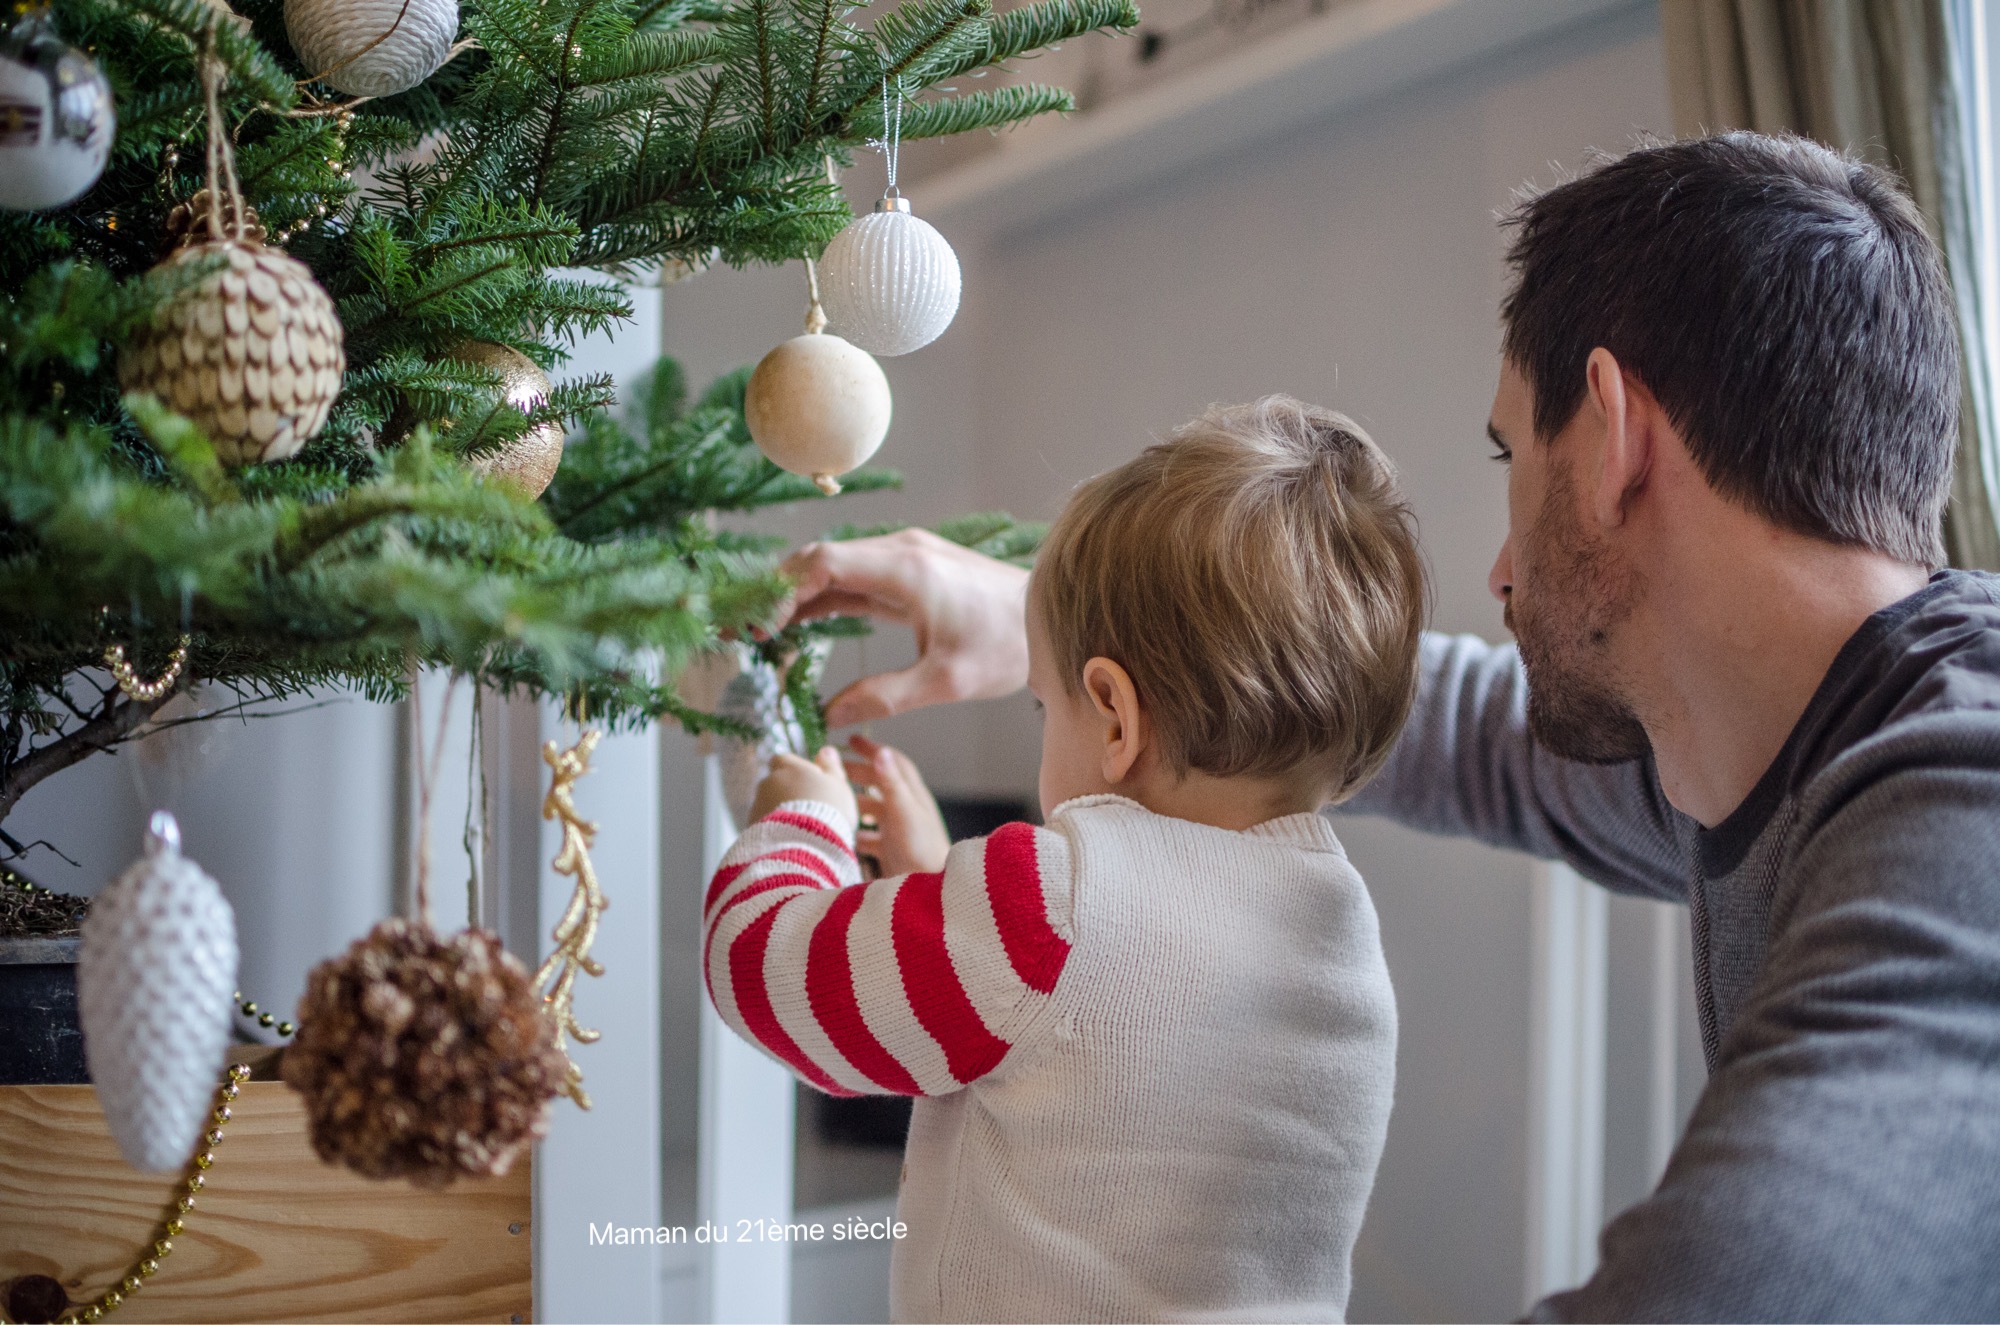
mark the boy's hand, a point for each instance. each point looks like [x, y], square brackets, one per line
[909, 834]
[794, 779]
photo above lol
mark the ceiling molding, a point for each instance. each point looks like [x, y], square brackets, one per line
[1357, 52]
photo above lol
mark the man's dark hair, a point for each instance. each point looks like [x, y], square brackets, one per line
[1784, 304]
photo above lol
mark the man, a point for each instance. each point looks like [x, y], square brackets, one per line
[1728, 405]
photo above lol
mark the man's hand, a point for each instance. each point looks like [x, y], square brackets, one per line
[794, 779]
[909, 836]
[967, 611]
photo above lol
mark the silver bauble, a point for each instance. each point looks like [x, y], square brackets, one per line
[56, 120]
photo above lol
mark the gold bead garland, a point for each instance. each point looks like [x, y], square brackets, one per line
[128, 678]
[148, 1262]
[269, 1022]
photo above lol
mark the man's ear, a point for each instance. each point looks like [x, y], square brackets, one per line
[1126, 733]
[1628, 415]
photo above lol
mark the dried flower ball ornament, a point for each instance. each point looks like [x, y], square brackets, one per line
[432, 1058]
[251, 352]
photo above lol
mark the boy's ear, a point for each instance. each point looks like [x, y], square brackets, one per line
[1126, 733]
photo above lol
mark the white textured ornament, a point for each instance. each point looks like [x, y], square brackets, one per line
[818, 406]
[154, 990]
[333, 39]
[889, 281]
[754, 695]
[56, 122]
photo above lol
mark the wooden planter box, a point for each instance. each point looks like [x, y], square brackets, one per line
[276, 1235]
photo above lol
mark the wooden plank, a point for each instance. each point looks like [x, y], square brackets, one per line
[275, 1236]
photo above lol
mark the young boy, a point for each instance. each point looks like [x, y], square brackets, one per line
[1155, 1040]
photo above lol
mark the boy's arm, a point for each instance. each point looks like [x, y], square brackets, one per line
[1467, 767]
[913, 985]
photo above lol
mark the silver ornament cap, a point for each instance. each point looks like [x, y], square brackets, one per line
[154, 986]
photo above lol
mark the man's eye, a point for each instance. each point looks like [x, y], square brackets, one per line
[1501, 455]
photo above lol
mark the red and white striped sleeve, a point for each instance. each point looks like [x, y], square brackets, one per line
[913, 985]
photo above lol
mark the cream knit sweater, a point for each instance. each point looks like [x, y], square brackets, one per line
[1156, 1057]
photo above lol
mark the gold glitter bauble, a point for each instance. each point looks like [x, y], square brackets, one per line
[424, 1058]
[250, 354]
[529, 461]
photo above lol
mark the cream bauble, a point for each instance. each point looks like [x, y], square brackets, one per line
[155, 983]
[818, 406]
[889, 281]
[529, 461]
[342, 42]
[56, 119]
[251, 354]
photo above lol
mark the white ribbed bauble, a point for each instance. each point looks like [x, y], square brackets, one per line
[332, 38]
[154, 991]
[56, 122]
[889, 281]
[818, 406]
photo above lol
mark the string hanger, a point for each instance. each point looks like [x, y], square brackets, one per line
[223, 189]
[891, 142]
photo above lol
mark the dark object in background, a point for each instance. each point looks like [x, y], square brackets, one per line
[883, 1121]
[41, 1040]
[36, 1299]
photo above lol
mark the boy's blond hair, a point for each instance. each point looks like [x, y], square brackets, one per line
[1257, 574]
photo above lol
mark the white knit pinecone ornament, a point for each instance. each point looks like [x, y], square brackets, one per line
[154, 989]
[252, 354]
[756, 695]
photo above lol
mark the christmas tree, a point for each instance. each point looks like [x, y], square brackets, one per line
[625, 138]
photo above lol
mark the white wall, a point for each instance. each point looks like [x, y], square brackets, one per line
[1357, 264]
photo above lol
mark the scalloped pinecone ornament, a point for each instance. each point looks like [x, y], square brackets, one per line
[424, 1058]
[157, 966]
[251, 354]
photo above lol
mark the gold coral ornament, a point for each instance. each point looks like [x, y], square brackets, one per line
[577, 929]
[251, 353]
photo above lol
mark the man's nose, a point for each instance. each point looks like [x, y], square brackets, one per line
[1500, 580]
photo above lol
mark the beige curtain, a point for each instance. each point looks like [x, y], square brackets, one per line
[1896, 81]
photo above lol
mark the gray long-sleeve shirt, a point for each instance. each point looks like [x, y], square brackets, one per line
[1843, 1162]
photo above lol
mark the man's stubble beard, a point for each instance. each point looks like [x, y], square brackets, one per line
[1563, 628]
